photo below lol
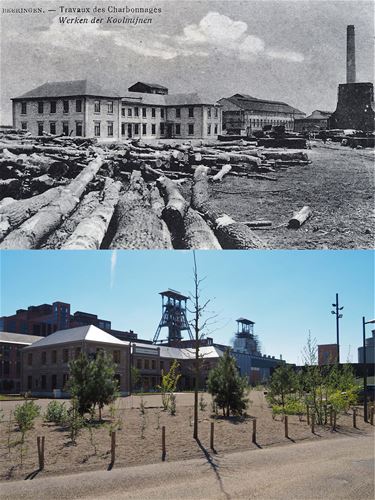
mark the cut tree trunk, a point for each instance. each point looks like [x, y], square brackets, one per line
[175, 207]
[225, 169]
[138, 226]
[14, 214]
[300, 217]
[197, 234]
[200, 193]
[58, 238]
[90, 232]
[32, 232]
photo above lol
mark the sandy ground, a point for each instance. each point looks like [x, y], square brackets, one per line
[133, 448]
[338, 186]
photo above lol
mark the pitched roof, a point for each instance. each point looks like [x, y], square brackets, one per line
[153, 85]
[68, 89]
[18, 338]
[250, 103]
[88, 332]
[143, 98]
[319, 115]
[185, 353]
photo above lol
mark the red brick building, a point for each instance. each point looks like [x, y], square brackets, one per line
[11, 345]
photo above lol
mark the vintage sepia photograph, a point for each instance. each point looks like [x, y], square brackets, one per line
[258, 131]
[187, 267]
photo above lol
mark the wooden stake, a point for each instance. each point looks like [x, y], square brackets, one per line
[313, 423]
[40, 444]
[212, 436]
[331, 417]
[254, 437]
[372, 415]
[286, 425]
[354, 417]
[164, 452]
[334, 420]
[308, 414]
[113, 447]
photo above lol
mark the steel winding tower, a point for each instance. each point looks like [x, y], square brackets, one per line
[173, 317]
[246, 341]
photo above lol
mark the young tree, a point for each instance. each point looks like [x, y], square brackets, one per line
[227, 387]
[81, 377]
[135, 377]
[283, 383]
[169, 381]
[104, 385]
[92, 382]
[199, 327]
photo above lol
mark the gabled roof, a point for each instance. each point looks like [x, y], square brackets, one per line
[250, 103]
[177, 353]
[144, 99]
[89, 332]
[68, 89]
[153, 85]
[18, 338]
[319, 115]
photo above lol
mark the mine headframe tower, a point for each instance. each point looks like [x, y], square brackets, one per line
[173, 317]
[245, 340]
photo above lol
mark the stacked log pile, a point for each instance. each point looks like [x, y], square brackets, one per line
[71, 193]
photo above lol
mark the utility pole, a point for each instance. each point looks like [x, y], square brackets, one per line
[338, 315]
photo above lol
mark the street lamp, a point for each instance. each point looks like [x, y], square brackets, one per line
[338, 317]
[364, 323]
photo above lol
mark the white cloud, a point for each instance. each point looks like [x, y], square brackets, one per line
[215, 33]
[284, 54]
[113, 266]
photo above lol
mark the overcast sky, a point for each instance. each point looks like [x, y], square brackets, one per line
[285, 50]
[286, 293]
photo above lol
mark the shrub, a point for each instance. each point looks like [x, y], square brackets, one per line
[74, 420]
[202, 403]
[25, 415]
[56, 413]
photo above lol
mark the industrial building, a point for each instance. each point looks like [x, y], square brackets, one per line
[42, 367]
[370, 351]
[11, 345]
[82, 108]
[45, 319]
[355, 101]
[318, 120]
[244, 114]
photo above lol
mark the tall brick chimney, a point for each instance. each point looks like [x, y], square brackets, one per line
[350, 54]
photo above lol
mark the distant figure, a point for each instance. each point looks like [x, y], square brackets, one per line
[323, 135]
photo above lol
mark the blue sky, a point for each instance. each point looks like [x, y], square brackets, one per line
[286, 293]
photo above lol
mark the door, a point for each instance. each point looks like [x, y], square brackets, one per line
[130, 130]
[169, 130]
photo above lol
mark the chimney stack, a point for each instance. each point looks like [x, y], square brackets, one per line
[350, 54]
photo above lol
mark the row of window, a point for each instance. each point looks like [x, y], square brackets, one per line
[5, 366]
[42, 107]
[65, 356]
[144, 112]
[148, 364]
[210, 128]
[54, 381]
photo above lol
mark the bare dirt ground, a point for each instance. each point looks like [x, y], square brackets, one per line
[133, 449]
[338, 186]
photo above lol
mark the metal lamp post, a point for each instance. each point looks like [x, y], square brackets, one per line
[364, 323]
[338, 317]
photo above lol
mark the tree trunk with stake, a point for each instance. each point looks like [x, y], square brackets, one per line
[196, 331]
